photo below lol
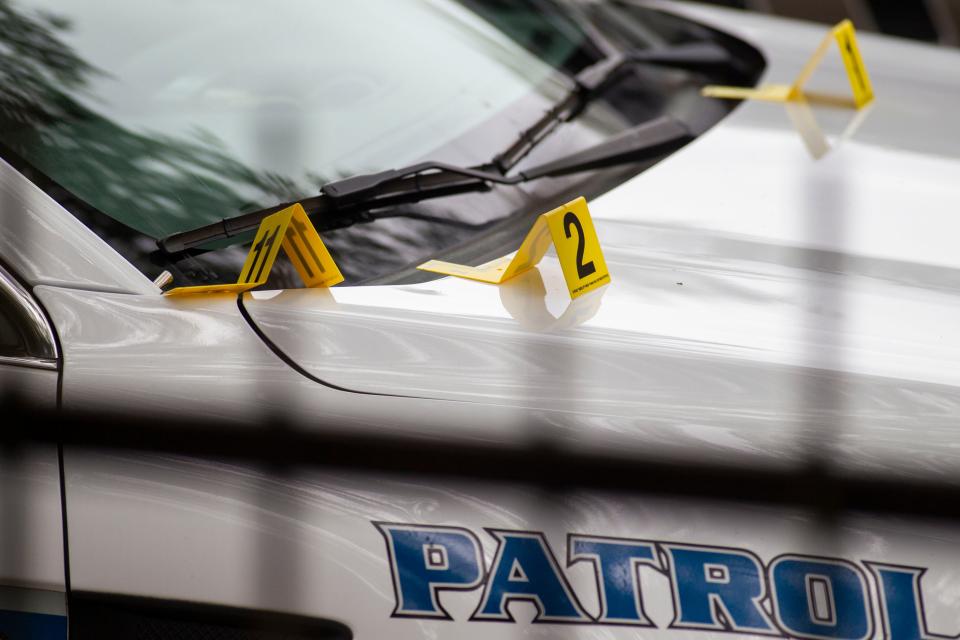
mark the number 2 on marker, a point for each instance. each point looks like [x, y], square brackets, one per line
[583, 269]
[578, 247]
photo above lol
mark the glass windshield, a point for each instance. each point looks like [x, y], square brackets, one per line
[163, 115]
[184, 112]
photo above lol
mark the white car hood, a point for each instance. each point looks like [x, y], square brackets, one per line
[739, 265]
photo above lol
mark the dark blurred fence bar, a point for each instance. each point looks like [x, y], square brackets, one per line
[928, 20]
[329, 446]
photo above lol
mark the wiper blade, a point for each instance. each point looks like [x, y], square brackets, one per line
[345, 202]
[357, 196]
[650, 140]
[590, 82]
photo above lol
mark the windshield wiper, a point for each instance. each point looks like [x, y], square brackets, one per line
[348, 201]
[593, 80]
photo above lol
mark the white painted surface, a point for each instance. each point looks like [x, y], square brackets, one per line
[31, 529]
[194, 530]
[44, 244]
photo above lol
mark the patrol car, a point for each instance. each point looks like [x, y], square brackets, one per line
[759, 286]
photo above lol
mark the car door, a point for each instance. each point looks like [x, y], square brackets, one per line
[32, 578]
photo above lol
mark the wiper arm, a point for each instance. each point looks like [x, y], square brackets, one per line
[344, 202]
[699, 56]
[355, 197]
[647, 141]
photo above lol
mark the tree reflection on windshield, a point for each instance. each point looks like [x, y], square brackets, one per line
[132, 184]
[159, 183]
[155, 184]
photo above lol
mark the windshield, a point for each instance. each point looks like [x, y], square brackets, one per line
[149, 117]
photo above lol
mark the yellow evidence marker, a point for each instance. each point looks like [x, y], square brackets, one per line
[846, 38]
[571, 231]
[292, 230]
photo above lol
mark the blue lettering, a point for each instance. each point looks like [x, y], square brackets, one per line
[616, 563]
[525, 569]
[717, 588]
[901, 602]
[425, 560]
[821, 598]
